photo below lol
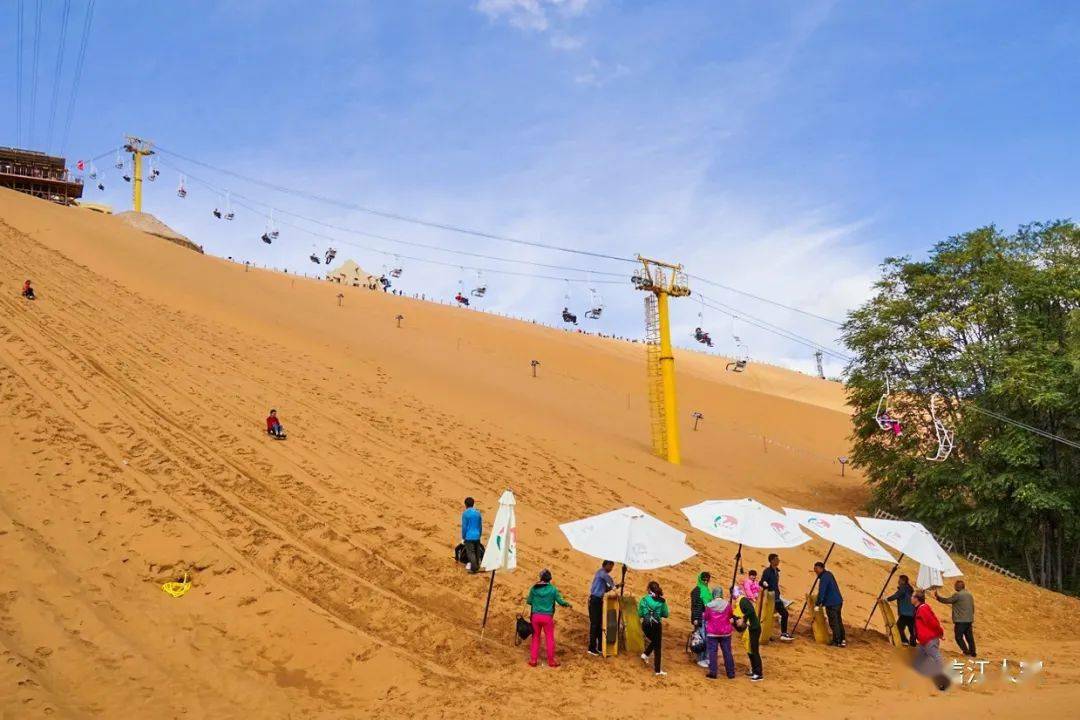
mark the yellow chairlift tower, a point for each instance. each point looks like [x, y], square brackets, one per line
[138, 148]
[661, 280]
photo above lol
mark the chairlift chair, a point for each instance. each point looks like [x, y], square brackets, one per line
[181, 190]
[742, 356]
[882, 415]
[569, 317]
[314, 258]
[331, 253]
[594, 313]
[461, 299]
[266, 238]
[944, 435]
[478, 291]
[127, 178]
[395, 272]
[702, 337]
[119, 160]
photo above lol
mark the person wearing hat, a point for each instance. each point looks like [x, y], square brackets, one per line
[543, 596]
[717, 619]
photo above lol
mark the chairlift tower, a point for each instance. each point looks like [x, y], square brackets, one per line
[661, 280]
[138, 149]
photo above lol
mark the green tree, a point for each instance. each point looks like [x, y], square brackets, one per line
[990, 325]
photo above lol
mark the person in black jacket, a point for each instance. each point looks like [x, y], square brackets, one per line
[829, 596]
[770, 580]
[700, 596]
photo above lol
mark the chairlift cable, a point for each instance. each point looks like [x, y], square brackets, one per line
[77, 80]
[64, 14]
[396, 216]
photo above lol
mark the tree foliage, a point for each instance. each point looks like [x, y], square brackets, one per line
[990, 323]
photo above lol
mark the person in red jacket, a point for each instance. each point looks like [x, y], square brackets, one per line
[273, 426]
[28, 291]
[928, 634]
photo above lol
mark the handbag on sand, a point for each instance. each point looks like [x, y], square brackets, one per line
[524, 629]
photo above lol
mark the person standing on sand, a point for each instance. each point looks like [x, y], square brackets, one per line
[652, 609]
[543, 596]
[963, 617]
[472, 529]
[928, 633]
[770, 580]
[905, 610]
[700, 596]
[717, 621]
[829, 596]
[752, 624]
[602, 584]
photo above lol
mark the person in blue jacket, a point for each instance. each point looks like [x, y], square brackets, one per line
[905, 610]
[829, 596]
[472, 528]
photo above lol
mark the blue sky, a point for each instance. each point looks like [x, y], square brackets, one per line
[782, 148]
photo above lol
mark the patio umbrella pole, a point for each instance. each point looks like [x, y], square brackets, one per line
[487, 604]
[618, 612]
[735, 572]
[807, 599]
[874, 606]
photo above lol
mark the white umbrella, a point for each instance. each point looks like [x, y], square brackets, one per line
[629, 536]
[746, 522]
[838, 530]
[501, 550]
[913, 540]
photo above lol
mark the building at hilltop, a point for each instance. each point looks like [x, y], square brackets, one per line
[349, 273]
[38, 174]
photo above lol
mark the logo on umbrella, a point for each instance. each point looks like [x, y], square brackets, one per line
[725, 521]
[779, 528]
[820, 522]
[893, 534]
[870, 544]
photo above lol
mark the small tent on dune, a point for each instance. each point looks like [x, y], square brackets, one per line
[348, 273]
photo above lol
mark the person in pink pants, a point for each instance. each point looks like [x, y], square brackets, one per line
[543, 597]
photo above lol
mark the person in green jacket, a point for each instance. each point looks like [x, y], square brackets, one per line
[543, 596]
[652, 609]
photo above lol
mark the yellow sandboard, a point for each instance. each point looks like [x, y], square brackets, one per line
[610, 628]
[889, 617]
[819, 624]
[633, 639]
[766, 610]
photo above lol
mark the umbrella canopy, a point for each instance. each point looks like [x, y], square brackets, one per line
[842, 530]
[501, 550]
[746, 522]
[629, 536]
[913, 540]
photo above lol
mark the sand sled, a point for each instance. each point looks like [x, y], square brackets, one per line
[766, 610]
[633, 639]
[889, 617]
[610, 630]
[819, 623]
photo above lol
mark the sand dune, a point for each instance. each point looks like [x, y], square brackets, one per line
[132, 395]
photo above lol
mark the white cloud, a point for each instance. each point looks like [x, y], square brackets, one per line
[533, 15]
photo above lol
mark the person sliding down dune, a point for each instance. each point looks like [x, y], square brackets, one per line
[28, 291]
[273, 426]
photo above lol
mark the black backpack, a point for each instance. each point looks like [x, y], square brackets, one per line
[463, 557]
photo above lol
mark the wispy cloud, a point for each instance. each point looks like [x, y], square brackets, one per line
[536, 15]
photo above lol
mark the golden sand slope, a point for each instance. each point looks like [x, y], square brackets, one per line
[132, 398]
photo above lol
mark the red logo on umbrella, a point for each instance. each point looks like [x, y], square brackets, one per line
[779, 528]
[726, 521]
